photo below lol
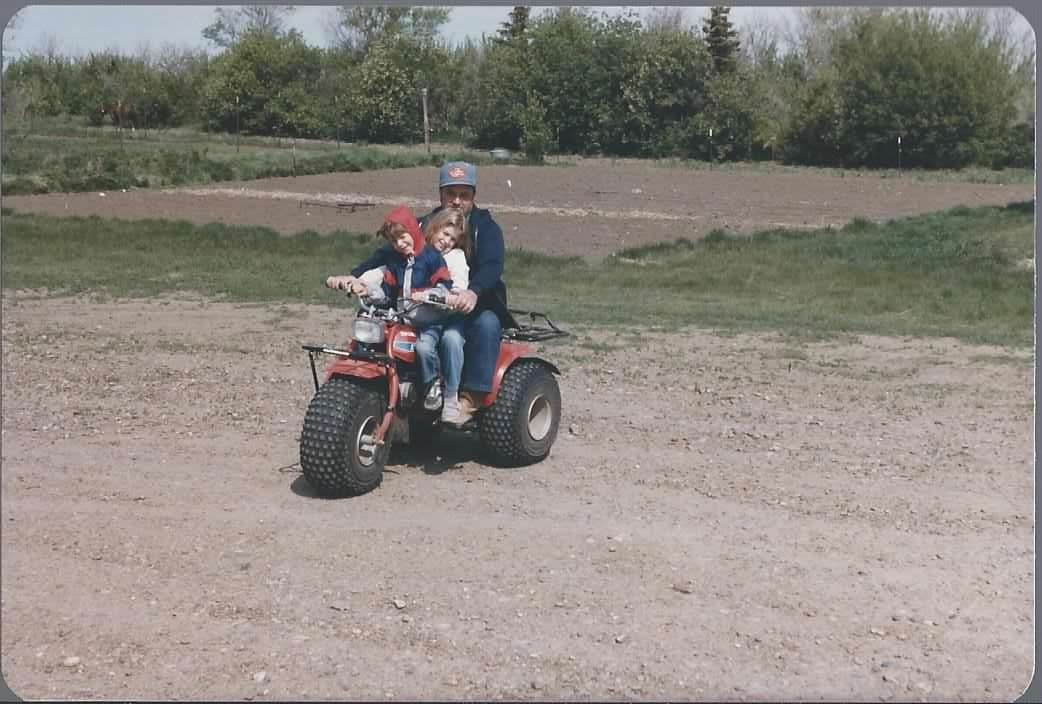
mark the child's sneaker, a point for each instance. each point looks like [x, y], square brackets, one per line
[450, 411]
[432, 402]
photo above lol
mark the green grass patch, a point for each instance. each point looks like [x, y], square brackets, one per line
[35, 163]
[952, 273]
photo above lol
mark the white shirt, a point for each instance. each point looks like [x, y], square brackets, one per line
[459, 270]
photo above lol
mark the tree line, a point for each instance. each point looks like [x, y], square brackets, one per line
[850, 87]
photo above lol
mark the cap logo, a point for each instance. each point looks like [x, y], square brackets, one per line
[456, 172]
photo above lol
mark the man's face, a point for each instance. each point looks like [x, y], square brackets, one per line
[459, 197]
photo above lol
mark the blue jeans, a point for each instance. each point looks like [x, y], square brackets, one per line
[482, 333]
[441, 345]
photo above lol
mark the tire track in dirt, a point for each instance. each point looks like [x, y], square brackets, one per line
[426, 204]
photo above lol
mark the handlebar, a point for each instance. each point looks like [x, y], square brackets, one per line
[404, 308]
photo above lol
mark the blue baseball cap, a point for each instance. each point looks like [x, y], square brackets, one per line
[458, 173]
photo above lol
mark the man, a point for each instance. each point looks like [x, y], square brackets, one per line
[485, 300]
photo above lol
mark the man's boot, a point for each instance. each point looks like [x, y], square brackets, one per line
[468, 405]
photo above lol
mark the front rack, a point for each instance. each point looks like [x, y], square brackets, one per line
[359, 355]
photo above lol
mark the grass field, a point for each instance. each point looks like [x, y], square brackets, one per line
[65, 156]
[70, 158]
[958, 273]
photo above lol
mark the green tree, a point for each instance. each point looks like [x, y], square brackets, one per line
[721, 40]
[232, 23]
[734, 112]
[45, 81]
[265, 83]
[336, 69]
[180, 76]
[562, 66]
[383, 95]
[535, 133]
[943, 84]
[499, 94]
[516, 25]
[775, 77]
[455, 90]
[618, 49]
[667, 91]
[108, 78]
[358, 27]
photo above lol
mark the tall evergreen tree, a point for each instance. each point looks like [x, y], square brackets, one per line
[721, 39]
[516, 24]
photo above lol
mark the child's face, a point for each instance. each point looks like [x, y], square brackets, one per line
[403, 244]
[446, 239]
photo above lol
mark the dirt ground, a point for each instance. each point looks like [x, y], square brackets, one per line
[722, 517]
[590, 209]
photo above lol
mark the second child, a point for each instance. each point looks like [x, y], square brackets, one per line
[440, 344]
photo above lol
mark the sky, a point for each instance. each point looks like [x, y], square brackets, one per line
[79, 29]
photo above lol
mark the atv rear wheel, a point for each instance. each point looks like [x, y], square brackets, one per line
[337, 454]
[521, 426]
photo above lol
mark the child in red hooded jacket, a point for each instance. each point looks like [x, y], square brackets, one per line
[405, 252]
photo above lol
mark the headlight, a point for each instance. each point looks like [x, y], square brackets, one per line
[368, 331]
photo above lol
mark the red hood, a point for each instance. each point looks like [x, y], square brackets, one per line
[404, 217]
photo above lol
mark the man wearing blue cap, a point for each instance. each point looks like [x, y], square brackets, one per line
[485, 300]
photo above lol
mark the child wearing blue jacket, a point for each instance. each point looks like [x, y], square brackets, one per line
[405, 251]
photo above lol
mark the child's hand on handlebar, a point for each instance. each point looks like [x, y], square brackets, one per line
[340, 283]
[346, 283]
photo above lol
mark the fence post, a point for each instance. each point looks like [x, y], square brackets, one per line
[426, 123]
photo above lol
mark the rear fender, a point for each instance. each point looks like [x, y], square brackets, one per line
[509, 353]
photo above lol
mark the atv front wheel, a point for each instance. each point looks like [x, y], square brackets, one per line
[521, 426]
[337, 453]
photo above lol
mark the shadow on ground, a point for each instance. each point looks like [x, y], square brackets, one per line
[446, 452]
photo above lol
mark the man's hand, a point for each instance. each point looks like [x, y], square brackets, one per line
[465, 301]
